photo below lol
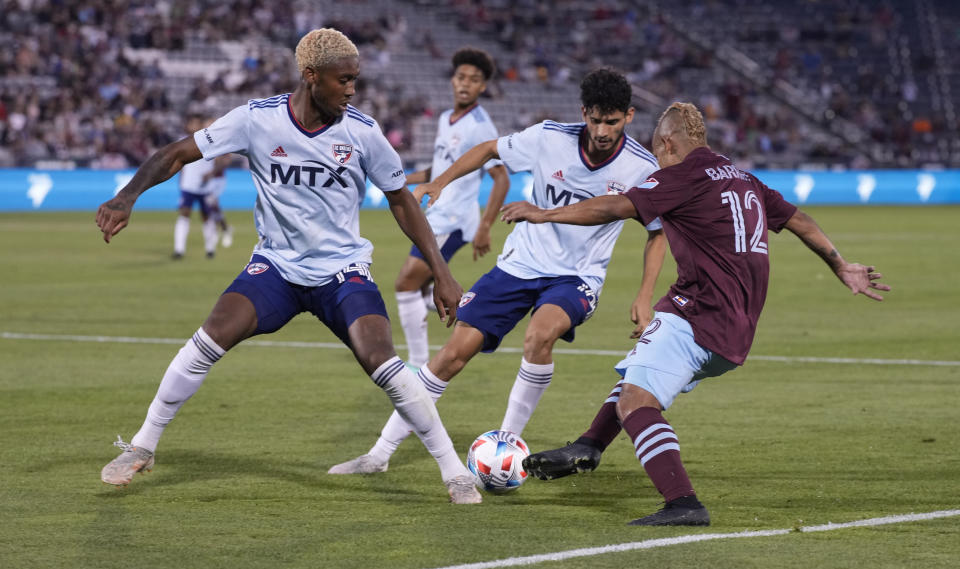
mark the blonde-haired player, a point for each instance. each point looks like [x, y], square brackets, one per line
[310, 154]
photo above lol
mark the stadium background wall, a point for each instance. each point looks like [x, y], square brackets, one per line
[59, 190]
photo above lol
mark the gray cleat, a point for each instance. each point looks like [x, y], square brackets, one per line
[463, 490]
[132, 460]
[363, 464]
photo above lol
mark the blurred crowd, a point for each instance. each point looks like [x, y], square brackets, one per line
[83, 82]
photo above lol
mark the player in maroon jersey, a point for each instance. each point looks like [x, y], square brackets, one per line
[716, 218]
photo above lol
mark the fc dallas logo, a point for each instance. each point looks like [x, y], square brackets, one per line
[342, 152]
[257, 268]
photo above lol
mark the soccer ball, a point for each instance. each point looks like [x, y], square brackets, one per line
[495, 459]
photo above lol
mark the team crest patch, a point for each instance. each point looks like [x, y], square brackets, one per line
[615, 188]
[649, 184]
[466, 298]
[342, 152]
[257, 268]
[680, 301]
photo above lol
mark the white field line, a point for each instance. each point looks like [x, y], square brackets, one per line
[502, 349]
[667, 541]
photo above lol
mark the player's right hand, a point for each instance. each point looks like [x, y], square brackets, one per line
[432, 189]
[521, 211]
[112, 216]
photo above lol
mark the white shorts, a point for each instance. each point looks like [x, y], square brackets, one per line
[667, 361]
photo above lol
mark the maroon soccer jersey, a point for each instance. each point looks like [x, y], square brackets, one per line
[715, 217]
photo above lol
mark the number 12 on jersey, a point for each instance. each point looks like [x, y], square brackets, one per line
[757, 244]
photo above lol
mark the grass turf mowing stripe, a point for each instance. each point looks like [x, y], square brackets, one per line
[502, 349]
[668, 541]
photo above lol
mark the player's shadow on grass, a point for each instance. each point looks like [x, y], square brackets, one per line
[183, 467]
[188, 467]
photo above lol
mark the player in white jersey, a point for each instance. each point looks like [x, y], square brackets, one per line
[555, 270]
[310, 154]
[455, 217]
[201, 183]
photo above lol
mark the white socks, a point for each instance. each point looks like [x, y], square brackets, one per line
[182, 379]
[210, 236]
[396, 429]
[180, 231]
[532, 380]
[413, 320]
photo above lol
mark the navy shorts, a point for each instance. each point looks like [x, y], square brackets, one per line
[499, 300]
[187, 199]
[449, 244]
[337, 304]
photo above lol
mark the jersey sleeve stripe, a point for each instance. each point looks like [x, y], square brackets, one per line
[266, 103]
[353, 113]
[560, 130]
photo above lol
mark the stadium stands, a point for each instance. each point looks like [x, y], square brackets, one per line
[843, 83]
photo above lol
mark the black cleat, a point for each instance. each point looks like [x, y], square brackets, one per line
[176, 256]
[564, 461]
[675, 514]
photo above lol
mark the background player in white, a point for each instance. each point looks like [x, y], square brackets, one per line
[716, 218]
[201, 183]
[455, 217]
[310, 153]
[555, 270]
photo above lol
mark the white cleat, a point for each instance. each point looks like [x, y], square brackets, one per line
[463, 490]
[363, 464]
[227, 238]
[132, 460]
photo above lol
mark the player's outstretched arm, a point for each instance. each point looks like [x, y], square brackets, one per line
[420, 177]
[470, 161]
[860, 279]
[594, 211]
[446, 290]
[113, 215]
[641, 311]
[501, 185]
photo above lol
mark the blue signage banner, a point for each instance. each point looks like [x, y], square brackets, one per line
[57, 190]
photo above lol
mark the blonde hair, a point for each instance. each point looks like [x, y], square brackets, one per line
[322, 47]
[691, 119]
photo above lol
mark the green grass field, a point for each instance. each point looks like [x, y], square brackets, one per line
[241, 475]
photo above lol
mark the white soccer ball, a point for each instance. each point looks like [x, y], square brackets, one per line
[495, 459]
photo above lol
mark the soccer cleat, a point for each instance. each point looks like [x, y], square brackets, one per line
[463, 490]
[673, 514]
[132, 460]
[227, 238]
[210, 254]
[363, 464]
[564, 461]
[176, 256]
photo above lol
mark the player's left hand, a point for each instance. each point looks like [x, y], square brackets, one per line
[862, 279]
[446, 296]
[521, 211]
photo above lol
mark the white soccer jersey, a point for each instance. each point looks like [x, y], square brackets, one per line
[561, 176]
[191, 177]
[310, 184]
[457, 207]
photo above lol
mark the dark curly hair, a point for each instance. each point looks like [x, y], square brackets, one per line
[606, 90]
[475, 57]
